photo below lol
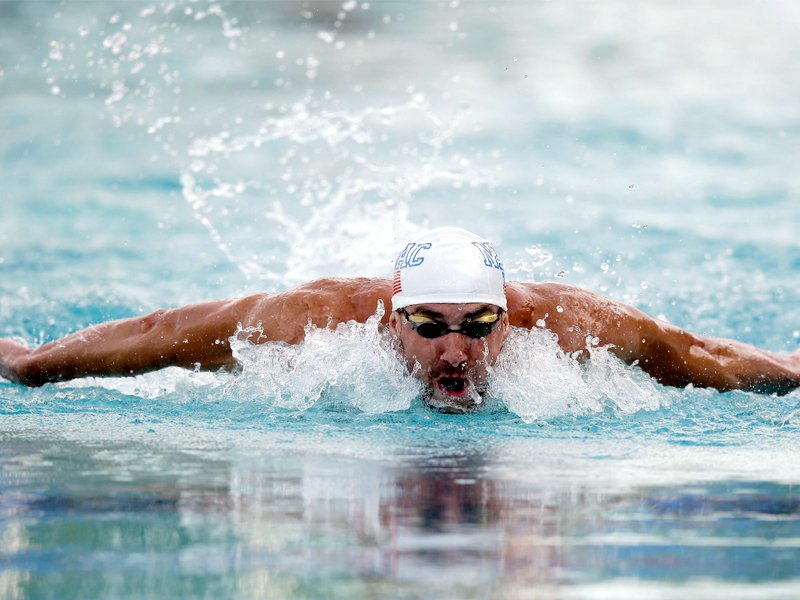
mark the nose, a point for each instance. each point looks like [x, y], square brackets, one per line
[454, 349]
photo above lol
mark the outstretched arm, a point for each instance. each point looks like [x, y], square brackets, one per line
[185, 337]
[669, 354]
[679, 358]
[192, 336]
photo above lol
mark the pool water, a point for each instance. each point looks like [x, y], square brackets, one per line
[157, 154]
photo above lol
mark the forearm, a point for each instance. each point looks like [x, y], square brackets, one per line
[186, 337]
[672, 355]
[679, 358]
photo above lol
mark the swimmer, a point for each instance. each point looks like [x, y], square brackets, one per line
[451, 312]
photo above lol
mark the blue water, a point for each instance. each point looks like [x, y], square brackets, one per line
[159, 154]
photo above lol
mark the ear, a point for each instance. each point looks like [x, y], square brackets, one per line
[505, 324]
[394, 320]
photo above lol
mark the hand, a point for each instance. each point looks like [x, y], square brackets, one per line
[11, 355]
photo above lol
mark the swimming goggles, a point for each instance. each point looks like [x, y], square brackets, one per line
[430, 329]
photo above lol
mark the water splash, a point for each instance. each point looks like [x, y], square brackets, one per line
[332, 205]
[291, 180]
[354, 364]
[536, 380]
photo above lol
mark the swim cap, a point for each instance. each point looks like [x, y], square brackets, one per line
[448, 265]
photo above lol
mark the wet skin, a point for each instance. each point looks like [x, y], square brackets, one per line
[197, 336]
[453, 367]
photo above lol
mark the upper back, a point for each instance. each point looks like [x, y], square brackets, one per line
[570, 312]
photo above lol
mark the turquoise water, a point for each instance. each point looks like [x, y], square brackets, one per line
[158, 154]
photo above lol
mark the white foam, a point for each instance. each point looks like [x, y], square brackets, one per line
[356, 362]
[356, 365]
[535, 379]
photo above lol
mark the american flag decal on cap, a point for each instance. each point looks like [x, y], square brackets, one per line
[396, 286]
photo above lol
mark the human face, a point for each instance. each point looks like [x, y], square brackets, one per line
[453, 366]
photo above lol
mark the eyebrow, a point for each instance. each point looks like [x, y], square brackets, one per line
[470, 315]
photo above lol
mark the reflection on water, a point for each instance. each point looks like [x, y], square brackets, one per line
[303, 525]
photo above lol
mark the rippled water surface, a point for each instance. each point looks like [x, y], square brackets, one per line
[159, 154]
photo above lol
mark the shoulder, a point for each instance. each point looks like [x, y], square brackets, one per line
[322, 302]
[573, 314]
[345, 299]
[529, 302]
[343, 285]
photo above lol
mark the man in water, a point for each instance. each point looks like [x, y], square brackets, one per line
[451, 314]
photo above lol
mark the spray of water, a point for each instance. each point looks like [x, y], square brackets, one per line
[535, 379]
[354, 364]
[294, 178]
[331, 203]
[357, 365]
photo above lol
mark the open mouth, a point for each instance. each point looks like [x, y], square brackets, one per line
[453, 386]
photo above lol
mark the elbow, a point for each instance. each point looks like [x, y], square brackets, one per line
[26, 370]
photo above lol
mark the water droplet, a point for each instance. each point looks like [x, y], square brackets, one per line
[539, 254]
[559, 308]
[56, 51]
[115, 41]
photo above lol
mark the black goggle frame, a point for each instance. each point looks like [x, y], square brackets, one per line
[430, 329]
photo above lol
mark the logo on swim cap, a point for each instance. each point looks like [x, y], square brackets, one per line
[448, 265]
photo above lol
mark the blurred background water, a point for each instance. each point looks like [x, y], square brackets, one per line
[156, 154]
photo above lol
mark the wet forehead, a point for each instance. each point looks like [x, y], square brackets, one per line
[457, 312]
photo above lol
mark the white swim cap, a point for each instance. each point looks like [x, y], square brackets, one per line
[448, 265]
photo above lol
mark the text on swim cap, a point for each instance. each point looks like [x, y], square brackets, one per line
[490, 258]
[410, 257]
